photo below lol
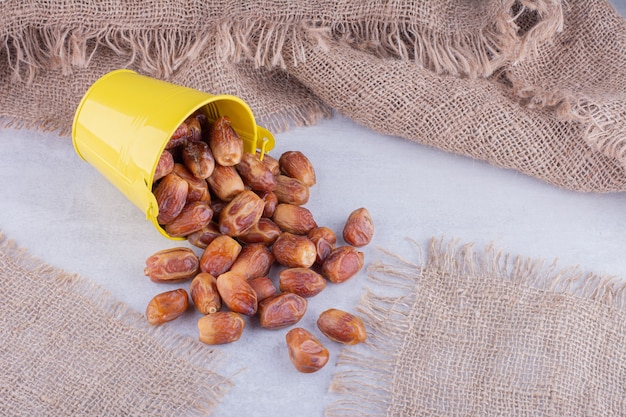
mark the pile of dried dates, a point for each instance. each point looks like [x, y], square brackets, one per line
[246, 213]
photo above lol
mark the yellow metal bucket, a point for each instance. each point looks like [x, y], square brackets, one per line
[125, 119]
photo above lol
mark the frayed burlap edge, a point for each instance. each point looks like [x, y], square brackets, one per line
[603, 133]
[160, 52]
[603, 130]
[603, 125]
[156, 52]
[31, 50]
[364, 387]
[179, 346]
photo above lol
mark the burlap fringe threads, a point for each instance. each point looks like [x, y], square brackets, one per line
[160, 51]
[271, 42]
[364, 383]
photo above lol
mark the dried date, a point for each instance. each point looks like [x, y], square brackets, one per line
[294, 219]
[179, 137]
[342, 327]
[296, 165]
[290, 190]
[264, 231]
[302, 281]
[204, 236]
[165, 165]
[219, 255]
[342, 264]
[171, 196]
[324, 239]
[220, 328]
[192, 218]
[270, 200]
[294, 251]
[195, 127]
[281, 310]
[255, 174]
[306, 352]
[263, 287]
[198, 159]
[271, 163]
[225, 143]
[174, 264]
[204, 293]
[167, 306]
[225, 182]
[237, 294]
[198, 189]
[359, 228]
[255, 260]
[241, 213]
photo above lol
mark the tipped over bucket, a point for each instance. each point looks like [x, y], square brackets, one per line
[125, 120]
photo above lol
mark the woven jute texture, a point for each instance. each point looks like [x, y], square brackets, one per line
[482, 333]
[67, 348]
[537, 86]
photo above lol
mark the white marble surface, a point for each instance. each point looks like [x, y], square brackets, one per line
[65, 213]
[68, 215]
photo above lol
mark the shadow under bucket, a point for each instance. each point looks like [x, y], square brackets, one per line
[125, 119]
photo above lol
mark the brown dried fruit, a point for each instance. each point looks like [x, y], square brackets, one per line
[173, 264]
[171, 196]
[192, 218]
[293, 219]
[302, 281]
[295, 165]
[179, 137]
[263, 287]
[359, 228]
[264, 231]
[198, 188]
[165, 165]
[294, 251]
[225, 182]
[202, 118]
[220, 328]
[203, 291]
[342, 264]
[167, 306]
[255, 260]
[218, 206]
[195, 127]
[271, 163]
[226, 145]
[198, 159]
[281, 310]
[342, 327]
[241, 213]
[306, 352]
[255, 174]
[237, 294]
[324, 239]
[204, 236]
[290, 190]
[271, 201]
[219, 255]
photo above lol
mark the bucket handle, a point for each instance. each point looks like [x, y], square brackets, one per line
[264, 141]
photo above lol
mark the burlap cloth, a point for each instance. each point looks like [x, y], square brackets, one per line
[537, 86]
[67, 348]
[532, 85]
[480, 333]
